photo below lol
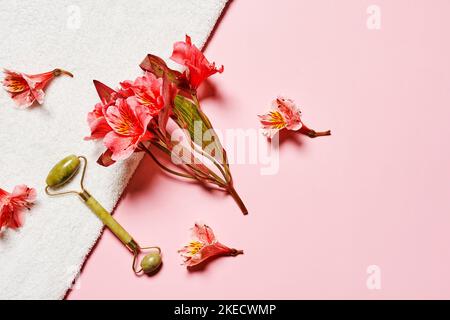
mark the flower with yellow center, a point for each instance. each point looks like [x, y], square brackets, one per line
[204, 246]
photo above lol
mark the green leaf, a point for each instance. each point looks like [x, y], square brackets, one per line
[189, 118]
[201, 132]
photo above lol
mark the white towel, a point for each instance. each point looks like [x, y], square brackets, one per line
[104, 40]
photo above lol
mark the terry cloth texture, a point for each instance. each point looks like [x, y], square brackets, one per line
[103, 40]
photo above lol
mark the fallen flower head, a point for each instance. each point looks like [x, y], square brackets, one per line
[285, 114]
[12, 205]
[26, 89]
[204, 246]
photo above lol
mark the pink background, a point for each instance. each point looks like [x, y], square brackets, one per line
[374, 193]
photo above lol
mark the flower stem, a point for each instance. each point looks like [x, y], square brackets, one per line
[313, 134]
[58, 72]
[180, 174]
[197, 173]
[235, 252]
[237, 198]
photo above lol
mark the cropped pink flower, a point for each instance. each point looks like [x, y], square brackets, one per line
[128, 122]
[11, 205]
[204, 246]
[198, 67]
[145, 90]
[26, 89]
[284, 114]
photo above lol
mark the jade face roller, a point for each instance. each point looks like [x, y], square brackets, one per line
[64, 171]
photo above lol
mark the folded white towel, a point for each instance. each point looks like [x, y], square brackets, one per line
[104, 40]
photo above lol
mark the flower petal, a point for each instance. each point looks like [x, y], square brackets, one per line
[97, 123]
[39, 95]
[23, 195]
[12, 205]
[104, 92]
[208, 252]
[99, 127]
[121, 146]
[198, 67]
[24, 100]
[291, 113]
[146, 90]
[3, 195]
[203, 233]
[39, 81]
[13, 82]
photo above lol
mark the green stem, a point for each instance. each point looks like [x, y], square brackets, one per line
[223, 168]
[143, 147]
[197, 173]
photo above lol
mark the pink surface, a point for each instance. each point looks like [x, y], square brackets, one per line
[374, 193]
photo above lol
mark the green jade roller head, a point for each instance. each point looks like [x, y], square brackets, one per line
[63, 172]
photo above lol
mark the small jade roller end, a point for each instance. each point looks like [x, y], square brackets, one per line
[151, 262]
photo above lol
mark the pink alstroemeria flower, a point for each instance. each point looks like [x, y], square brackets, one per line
[146, 90]
[204, 246]
[122, 117]
[25, 89]
[128, 122]
[286, 114]
[11, 205]
[198, 67]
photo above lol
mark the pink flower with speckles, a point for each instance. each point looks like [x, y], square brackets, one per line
[128, 122]
[27, 89]
[204, 246]
[285, 114]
